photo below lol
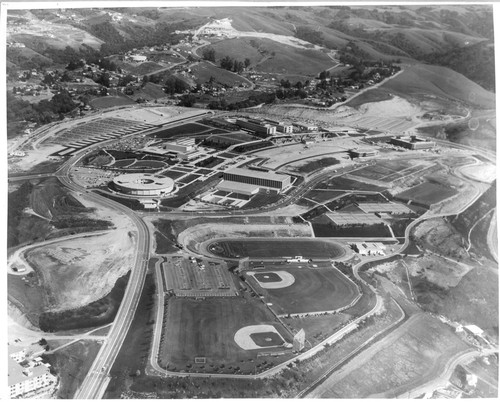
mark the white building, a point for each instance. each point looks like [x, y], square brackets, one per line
[28, 376]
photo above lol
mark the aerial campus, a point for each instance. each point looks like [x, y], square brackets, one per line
[251, 202]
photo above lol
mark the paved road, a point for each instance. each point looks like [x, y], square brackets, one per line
[97, 379]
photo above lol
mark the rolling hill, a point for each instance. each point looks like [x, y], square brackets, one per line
[425, 80]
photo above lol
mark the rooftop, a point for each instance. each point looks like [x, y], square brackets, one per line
[257, 174]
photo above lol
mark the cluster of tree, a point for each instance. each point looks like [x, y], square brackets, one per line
[42, 112]
[187, 100]
[476, 62]
[234, 65]
[209, 54]
[309, 34]
[298, 85]
[253, 100]
[137, 37]
[174, 85]
[291, 93]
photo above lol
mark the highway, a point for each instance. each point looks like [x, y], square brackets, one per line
[97, 379]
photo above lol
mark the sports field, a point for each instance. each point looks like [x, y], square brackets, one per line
[426, 194]
[206, 328]
[185, 129]
[314, 290]
[388, 171]
[271, 248]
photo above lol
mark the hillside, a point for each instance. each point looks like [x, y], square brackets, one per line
[424, 81]
[445, 35]
[269, 56]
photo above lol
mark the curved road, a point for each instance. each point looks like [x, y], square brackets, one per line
[97, 379]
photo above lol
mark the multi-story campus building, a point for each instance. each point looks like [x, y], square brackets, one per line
[282, 127]
[257, 178]
[412, 142]
[257, 126]
[28, 375]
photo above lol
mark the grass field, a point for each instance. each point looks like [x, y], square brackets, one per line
[272, 248]
[185, 129]
[322, 195]
[134, 351]
[314, 290]
[440, 81]
[342, 183]
[314, 165]
[206, 328]
[412, 355]
[318, 328]
[426, 194]
[388, 171]
[72, 364]
[323, 227]
[110, 101]
[203, 71]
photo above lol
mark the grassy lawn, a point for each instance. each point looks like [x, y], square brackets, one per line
[426, 194]
[318, 328]
[110, 101]
[342, 183]
[72, 365]
[206, 328]
[134, 351]
[313, 290]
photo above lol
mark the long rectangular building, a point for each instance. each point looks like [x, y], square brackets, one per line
[262, 179]
[257, 127]
[413, 142]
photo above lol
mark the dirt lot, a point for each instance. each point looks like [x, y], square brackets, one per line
[79, 271]
[314, 290]
[284, 155]
[440, 237]
[413, 354]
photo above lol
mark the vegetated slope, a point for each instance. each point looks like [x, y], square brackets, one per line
[477, 62]
[46, 209]
[269, 56]
[424, 80]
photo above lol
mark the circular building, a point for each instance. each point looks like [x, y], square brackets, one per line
[143, 184]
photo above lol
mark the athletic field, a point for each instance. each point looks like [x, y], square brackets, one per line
[206, 328]
[279, 248]
[314, 290]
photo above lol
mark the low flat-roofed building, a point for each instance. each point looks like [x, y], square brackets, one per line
[412, 142]
[365, 248]
[183, 146]
[382, 207]
[306, 126]
[363, 152]
[262, 179]
[240, 188]
[349, 218]
[189, 156]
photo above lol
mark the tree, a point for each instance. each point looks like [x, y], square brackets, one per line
[238, 66]
[187, 100]
[227, 63]
[103, 79]
[209, 54]
[247, 62]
